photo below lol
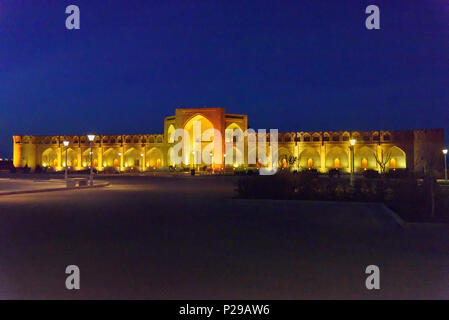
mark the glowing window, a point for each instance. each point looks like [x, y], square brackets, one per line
[284, 163]
[393, 163]
[310, 163]
[337, 163]
[364, 163]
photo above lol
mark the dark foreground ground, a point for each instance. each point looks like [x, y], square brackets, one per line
[186, 238]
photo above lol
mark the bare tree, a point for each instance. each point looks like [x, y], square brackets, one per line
[382, 161]
[292, 160]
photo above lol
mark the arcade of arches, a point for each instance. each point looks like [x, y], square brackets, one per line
[322, 150]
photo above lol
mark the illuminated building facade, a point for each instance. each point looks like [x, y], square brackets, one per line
[321, 150]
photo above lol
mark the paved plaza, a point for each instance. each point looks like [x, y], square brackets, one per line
[11, 185]
[189, 238]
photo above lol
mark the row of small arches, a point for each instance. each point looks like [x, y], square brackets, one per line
[345, 136]
[107, 139]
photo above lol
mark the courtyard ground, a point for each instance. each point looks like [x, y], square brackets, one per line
[9, 185]
[188, 238]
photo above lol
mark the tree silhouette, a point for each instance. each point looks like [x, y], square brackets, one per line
[382, 161]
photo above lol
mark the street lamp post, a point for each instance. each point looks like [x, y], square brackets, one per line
[66, 143]
[141, 160]
[211, 162]
[352, 141]
[91, 138]
[445, 164]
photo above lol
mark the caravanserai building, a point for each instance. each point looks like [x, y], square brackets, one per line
[321, 150]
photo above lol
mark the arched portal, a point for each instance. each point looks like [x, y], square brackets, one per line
[232, 126]
[154, 158]
[397, 158]
[337, 158]
[50, 158]
[170, 131]
[193, 145]
[86, 158]
[132, 158]
[284, 157]
[71, 156]
[309, 158]
[364, 158]
[111, 158]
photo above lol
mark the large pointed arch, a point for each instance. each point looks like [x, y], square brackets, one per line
[155, 158]
[50, 158]
[337, 158]
[85, 161]
[232, 126]
[397, 158]
[189, 144]
[171, 129]
[283, 157]
[111, 158]
[309, 158]
[132, 158]
[71, 156]
[364, 158]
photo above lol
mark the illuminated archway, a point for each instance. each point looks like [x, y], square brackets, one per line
[49, 158]
[154, 158]
[232, 126]
[85, 161]
[132, 159]
[309, 158]
[111, 158]
[170, 130]
[337, 156]
[284, 156]
[71, 158]
[191, 146]
[364, 158]
[397, 158]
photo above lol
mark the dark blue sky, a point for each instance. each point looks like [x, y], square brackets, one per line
[304, 65]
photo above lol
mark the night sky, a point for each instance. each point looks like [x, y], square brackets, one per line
[291, 65]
